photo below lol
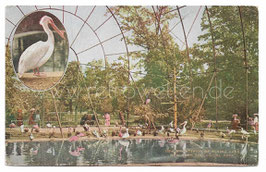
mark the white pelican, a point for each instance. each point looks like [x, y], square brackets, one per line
[254, 131]
[230, 132]
[31, 137]
[222, 135]
[161, 130]
[49, 125]
[171, 124]
[22, 128]
[244, 132]
[125, 135]
[95, 133]
[105, 133]
[183, 130]
[171, 130]
[39, 53]
[139, 133]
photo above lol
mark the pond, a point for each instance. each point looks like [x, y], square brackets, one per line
[132, 151]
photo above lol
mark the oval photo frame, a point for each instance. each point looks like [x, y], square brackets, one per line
[40, 51]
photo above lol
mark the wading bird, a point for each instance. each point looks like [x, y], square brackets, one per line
[39, 53]
[183, 130]
[209, 125]
[31, 137]
[161, 130]
[244, 133]
[222, 135]
[230, 132]
[125, 135]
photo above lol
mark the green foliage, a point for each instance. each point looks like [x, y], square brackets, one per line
[111, 88]
[230, 59]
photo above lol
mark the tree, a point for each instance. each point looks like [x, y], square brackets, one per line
[230, 61]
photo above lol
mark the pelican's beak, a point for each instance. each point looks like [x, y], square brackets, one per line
[60, 32]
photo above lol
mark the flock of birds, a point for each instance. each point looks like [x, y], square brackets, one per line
[74, 135]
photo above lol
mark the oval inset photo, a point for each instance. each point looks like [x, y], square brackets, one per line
[40, 50]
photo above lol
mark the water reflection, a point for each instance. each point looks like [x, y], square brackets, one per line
[138, 151]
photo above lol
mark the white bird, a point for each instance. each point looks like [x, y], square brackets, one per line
[171, 130]
[244, 132]
[105, 133]
[244, 152]
[22, 128]
[254, 131]
[39, 53]
[31, 137]
[139, 133]
[230, 132]
[222, 135]
[161, 130]
[125, 135]
[95, 133]
[171, 124]
[49, 125]
[183, 130]
[178, 130]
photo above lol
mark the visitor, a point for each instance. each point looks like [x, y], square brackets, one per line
[10, 119]
[147, 101]
[31, 117]
[19, 118]
[107, 119]
[37, 118]
[91, 121]
[251, 122]
[256, 121]
[122, 118]
[235, 122]
[83, 119]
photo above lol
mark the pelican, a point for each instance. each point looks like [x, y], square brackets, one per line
[31, 137]
[95, 133]
[254, 131]
[39, 53]
[49, 125]
[222, 135]
[171, 124]
[125, 135]
[105, 133]
[161, 130]
[22, 128]
[171, 130]
[230, 132]
[244, 132]
[183, 130]
[139, 133]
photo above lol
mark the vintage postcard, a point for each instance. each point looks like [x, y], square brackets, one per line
[131, 85]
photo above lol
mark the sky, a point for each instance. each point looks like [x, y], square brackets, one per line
[86, 44]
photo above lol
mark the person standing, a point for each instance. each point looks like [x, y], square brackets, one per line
[256, 121]
[31, 117]
[19, 118]
[107, 119]
[235, 122]
[37, 117]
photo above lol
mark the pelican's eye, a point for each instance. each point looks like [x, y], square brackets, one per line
[51, 21]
